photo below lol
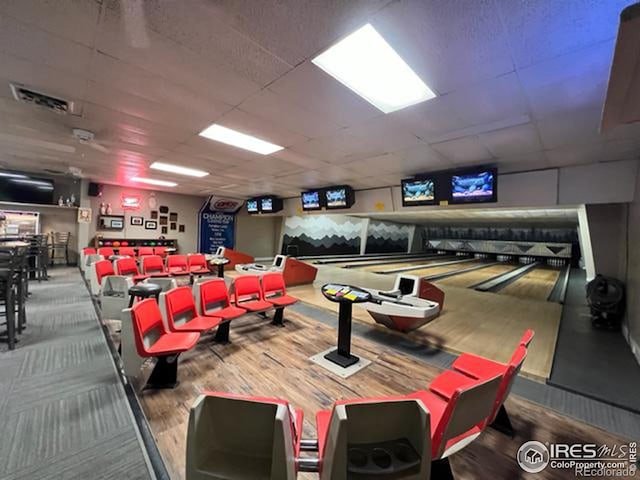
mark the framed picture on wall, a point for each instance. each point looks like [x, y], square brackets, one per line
[164, 209]
[150, 225]
[173, 217]
[154, 214]
[137, 221]
[164, 220]
[174, 226]
[164, 230]
[181, 228]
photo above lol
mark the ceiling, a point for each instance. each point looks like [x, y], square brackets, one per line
[520, 84]
[479, 216]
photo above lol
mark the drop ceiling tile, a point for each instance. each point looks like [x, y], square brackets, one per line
[620, 150]
[571, 81]
[201, 29]
[578, 154]
[171, 60]
[540, 30]
[312, 89]
[283, 112]
[466, 150]
[512, 141]
[40, 47]
[260, 127]
[521, 163]
[73, 20]
[430, 119]
[577, 126]
[338, 148]
[449, 44]
[299, 159]
[383, 133]
[420, 159]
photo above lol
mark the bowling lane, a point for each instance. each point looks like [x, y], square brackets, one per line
[536, 284]
[477, 276]
[365, 262]
[393, 266]
[426, 272]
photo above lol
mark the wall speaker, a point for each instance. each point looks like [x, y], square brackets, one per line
[95, 189]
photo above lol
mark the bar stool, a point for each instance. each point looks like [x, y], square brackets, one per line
[60, 243]
[144, 291]
[7, 295]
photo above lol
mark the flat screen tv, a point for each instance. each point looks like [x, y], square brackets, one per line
[418, 191]
[266, 204]
[311, 200]
[339, 197]
[252, 206]
[476, 186]
[24, 188]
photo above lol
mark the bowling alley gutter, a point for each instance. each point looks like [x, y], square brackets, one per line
[498, 283]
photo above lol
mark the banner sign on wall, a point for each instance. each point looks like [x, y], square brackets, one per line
[217, 223]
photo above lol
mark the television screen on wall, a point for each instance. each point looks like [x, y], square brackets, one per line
[476, 186]
[311, 200]
[339, 197]
[24, 188]
[266, 204]
[418, 191]
[252, 206]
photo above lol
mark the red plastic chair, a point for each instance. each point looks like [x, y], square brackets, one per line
[459, 407]
[129, 267]
[153, 265]
[152, 340]
[145, 251]
[106, 252]
[275, 292]
[214, 301]
[162, 251]
[89, 251]
[182, 315]
[247, 294]
[197, 263]
[104, 268]
[127, 251]
[177, 265]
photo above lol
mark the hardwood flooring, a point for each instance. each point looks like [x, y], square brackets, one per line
[272, 361]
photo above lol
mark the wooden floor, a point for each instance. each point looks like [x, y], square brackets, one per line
[427, 271]
[413, 263]
[482, 323]
[476, 276]
[271, 361]
[536, 284]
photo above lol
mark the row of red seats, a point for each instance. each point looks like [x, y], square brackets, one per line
[107, 252]
[458, 405]
[186, 321]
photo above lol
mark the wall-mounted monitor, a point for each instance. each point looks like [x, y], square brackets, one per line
[311, 200]
[23, 188]
[252, 206]
[474, 186]
[269, 204]
[418, 191]
[339, 197]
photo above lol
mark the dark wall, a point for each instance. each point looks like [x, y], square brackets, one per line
[323, 235]
[387, 237]
[522, 234]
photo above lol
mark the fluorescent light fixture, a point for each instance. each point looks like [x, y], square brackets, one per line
[43, 187]
[368, 65]
[27, 181]
[239, 139]
[153, 181]
[167, 167]
[12, 175]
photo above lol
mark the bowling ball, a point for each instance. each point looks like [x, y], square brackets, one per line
[100, 243]
[125, 244]
[108, 244]
[153, 244]
[116, 244]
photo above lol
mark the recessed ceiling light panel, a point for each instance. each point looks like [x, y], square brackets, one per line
[153, 181]
[369, 66]
[239, 139]
[167, 167]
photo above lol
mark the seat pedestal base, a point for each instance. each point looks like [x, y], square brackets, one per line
[441, 469]
[278, 317]
[343, 360]
[222, 333]
[502, 423]
[165, 373]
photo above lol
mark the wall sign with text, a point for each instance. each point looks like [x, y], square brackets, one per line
[217, 224]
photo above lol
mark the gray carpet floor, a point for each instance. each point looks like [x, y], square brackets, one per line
[596, 363]
[63, 410]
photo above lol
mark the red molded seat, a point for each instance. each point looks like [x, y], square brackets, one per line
[106, 252]
[248, 294]
[129, 267]
[161, 251]
[145, 251]
[458, 418]
[127, 251]
[214, 300]
[154, 266]
[274, 291]
[181, 313]
[177, 265]
[104, 268]
[89, 251]
[197, 263]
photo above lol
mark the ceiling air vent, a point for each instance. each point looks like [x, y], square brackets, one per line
[24, 94]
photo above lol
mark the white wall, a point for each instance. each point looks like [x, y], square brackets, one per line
[185, 206]
[258, 235]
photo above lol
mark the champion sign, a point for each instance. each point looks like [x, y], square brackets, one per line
[217, 222]
[229, 205]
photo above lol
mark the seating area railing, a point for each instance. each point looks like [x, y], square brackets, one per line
[14, 281]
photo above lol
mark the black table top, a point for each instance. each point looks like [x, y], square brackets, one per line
[145, 290]
[337, 292]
